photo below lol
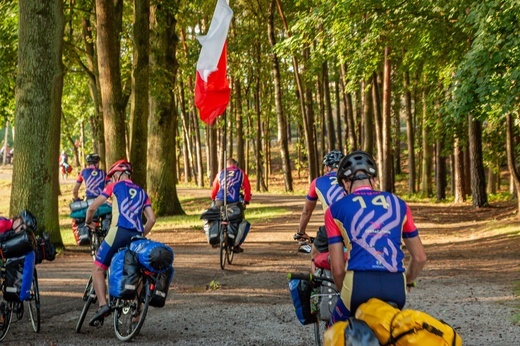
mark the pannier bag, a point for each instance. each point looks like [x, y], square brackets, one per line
[352, 332]
[125, 271]
[235, 212]
[18, 277]
[406, 327]
[81, 232]
[154, 256]
[242, 231]
[211, 214]
[327, 295]
[162, 285]
[45, 249]
[301, 298]
[211, 229]
[17, 244]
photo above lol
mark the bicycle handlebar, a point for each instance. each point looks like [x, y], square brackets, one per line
[308, 277]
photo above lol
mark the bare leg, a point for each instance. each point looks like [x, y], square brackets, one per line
[98, 276]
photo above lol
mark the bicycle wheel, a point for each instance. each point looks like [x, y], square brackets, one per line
[223, 246]
[129, 314]
[6, 314]
[34, 304]
[89, 296]
[317, 334]
[229, 250]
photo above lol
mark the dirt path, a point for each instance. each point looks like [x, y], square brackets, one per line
[467, 282]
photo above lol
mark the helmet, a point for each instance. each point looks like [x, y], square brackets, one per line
[120, 166]
[354, 162]
[333, 158]
[93, 158]
[29, 220]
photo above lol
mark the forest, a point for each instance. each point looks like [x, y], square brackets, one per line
[430, 88]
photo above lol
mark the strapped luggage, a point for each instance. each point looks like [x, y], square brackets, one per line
[352, 332]
[81, 232]
[301, 291]
[18, 277]
[242, 231]
[154, 256]
[327, 295]
[406, 327]
[45, 249]
[211, 230]
[125, 271]
[17, 244]
[162, 285]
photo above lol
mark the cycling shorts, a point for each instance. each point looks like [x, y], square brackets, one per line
[117, 237]
[360, 286]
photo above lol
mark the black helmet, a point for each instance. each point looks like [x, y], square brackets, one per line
[93, 158]
[354, 162]
[29, 220]
[333, 158]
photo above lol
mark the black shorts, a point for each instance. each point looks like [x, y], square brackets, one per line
[321, 242]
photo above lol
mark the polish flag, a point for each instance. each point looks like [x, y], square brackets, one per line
[212, 90]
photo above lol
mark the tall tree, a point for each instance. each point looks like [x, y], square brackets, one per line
[109, 17]
[139, 105]
[163, 121]
[39, 86]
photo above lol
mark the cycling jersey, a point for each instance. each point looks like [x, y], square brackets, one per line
[95, 181]
[326, 189]
[236, 179]
[371, 224]
[128, 203]
[5, 225]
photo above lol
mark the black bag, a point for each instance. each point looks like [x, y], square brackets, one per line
[211, 214]
[18, 278]
[17, 244]
[45, 249]
[161, 288]
[235, 212]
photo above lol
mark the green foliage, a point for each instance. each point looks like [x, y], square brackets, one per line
[8, 57]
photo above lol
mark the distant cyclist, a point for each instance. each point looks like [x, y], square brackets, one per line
[327, 190]
[373, 226]
[129, 203]
[95, 178]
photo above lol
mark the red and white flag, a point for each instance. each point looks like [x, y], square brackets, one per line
[212, 90]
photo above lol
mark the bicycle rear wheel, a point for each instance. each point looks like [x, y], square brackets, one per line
[129, 314]
[223, 246]
[229, 250]
[34, 304]
[89, 296]
[6, 314]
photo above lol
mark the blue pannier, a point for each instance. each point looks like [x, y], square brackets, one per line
[125, 272]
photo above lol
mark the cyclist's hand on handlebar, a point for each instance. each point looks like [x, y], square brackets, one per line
[301, 236]
[91, 225]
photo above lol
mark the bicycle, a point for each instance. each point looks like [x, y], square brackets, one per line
[129, 314]
[305, 245]
[317, 282]
[227, 244]
[10, 308]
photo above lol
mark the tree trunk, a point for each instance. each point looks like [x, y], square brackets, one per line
[280, 116]
[39, 86]
[440, 160]
[386, 135]
[511, 160]
[139, 105]
[368, 118]
[427, 148]
[109, 20]
[410, 133]
[378, 122]
[349, 112]
[458, 155]
[162, 175]
[331, 134]
[241, 158]
[478, 177]
[96, 120]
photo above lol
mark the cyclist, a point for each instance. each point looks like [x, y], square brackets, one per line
[236, 180]
[129, 203]
[327, 190]
[24, 220]
[94, 178]
[372, 225]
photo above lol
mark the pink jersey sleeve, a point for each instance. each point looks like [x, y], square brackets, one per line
[409, 228]
[109, 189]
[312, 195]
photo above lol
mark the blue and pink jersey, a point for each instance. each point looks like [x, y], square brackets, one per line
[373, 224]
[95, 181]
[128, 203]
[326, 189]
[236, 179]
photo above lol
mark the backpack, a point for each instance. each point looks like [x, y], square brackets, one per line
[406, 327]
[352, 332]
